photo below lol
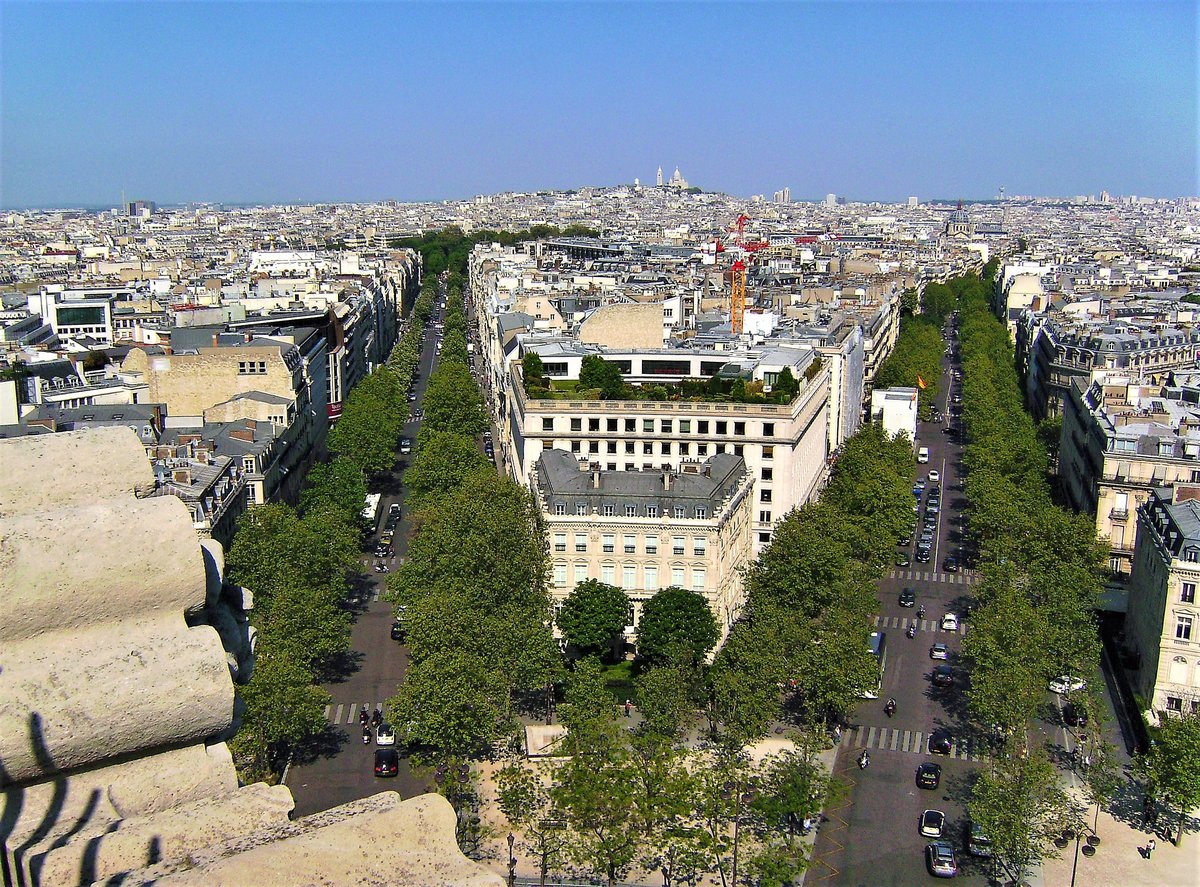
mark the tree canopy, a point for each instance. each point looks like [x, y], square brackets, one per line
[593, 616]
[676, 622]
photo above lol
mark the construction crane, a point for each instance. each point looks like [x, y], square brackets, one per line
[737, 305]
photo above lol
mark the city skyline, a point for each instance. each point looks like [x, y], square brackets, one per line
[283, 103]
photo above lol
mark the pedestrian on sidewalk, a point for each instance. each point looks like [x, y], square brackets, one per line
[1150, 845]
[628, 708]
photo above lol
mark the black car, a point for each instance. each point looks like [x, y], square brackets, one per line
[950, 564]
[929, 775]
[908, 598]
[940, 743]
[943, 676]
[397, 631]
[387, 762]
[923, 554]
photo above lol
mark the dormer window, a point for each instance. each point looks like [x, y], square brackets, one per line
[1191, 555]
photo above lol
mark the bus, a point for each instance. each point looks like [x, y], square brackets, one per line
[370, 512]
[877, 647]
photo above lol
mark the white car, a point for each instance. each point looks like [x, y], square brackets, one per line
[1065, 684]
[932, 823]
[385, 735]
[939, 651]
[950, 622]
[934, 477]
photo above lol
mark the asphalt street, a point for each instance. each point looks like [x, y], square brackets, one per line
[338, 767]
[871, 837]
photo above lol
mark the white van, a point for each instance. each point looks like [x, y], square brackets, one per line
[923, 455]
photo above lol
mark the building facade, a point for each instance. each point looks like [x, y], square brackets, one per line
[1161, 624]
[645, 531]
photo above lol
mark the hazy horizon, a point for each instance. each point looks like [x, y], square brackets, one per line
[280, 103]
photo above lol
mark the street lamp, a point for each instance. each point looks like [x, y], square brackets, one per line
[512, 862]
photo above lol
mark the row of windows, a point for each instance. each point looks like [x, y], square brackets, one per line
[650, 576]
[252, 367]
[663, 426]
[629, 544]
[666, 448]
[679, 512]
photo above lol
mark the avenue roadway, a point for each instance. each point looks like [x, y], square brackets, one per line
[871, 836]
[338, 767]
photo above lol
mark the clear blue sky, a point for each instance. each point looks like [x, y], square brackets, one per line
[353, 101]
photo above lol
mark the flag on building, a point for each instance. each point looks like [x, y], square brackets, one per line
[920, 382]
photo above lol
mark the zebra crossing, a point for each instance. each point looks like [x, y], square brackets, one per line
[965, 577]
[903, 622]
[347, 712]
[913, 742]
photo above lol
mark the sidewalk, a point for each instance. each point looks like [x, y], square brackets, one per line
[1118, 859]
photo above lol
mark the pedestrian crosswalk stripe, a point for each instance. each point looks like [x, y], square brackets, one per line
[337, 718]
[895, 739]
[917, 745]
[871, 738]
[907, 737]
[328, 709]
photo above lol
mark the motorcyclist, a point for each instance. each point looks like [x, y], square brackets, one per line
[921, 612]
[863, 760]
[889, 707]
[911, 631]
[366, 735]
[363, 716]
[376, 717]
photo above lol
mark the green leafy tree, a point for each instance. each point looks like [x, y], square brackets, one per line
[525, 801]
[786, 386]
[675, 620]
[1172, 765]
[669, 697]
[1020, 804]
[450, 705]
[282, 709]
[593, 617]
[596, 372]
[444, 460]
[452, 402]
[533, 370]
[338, 483]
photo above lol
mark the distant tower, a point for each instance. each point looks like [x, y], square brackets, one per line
[660, 177]
[912, 203]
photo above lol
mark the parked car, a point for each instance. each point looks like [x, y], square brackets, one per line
[950, 622]
[940, 858]
[943, 676]
[939, 651]
[932, 823]
[387, 761]
[923, 554]
[908, 597]
[940, 743]
[902, 559]
[1074, 715]
[1066, 684]
[929, 775]
[978, 844]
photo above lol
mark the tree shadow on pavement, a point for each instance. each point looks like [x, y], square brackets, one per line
[326, 744]
[340, 667]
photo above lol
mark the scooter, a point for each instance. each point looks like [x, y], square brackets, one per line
[921, 612]
[890, 708]
[911, 631]
[366, 735]
[863, 761]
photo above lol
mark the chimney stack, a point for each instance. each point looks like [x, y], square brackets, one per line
[595, 478]
[215, 339]
[666, 479]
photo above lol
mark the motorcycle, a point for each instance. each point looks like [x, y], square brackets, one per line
[376, 718]
[890, 708]
[911, 631]
[363, 717]
[921, 612]
[863, 760]
[366, 735]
